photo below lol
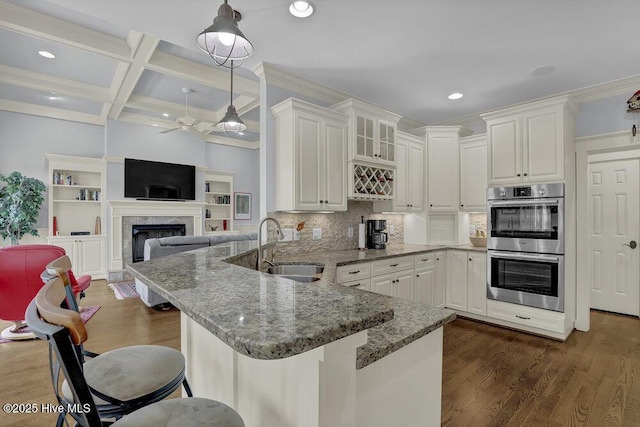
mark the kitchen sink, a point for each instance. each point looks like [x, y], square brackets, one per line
[299, 272]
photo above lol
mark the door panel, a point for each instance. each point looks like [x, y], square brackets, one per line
[335, 166]
[308, 128]
[614, 223]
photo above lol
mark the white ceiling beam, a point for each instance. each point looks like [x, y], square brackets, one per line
[44, 111]
[248, 107]
[143, 53]
[223, 140]
[24, 78]
[36, 24]
[159, 106]
[211, 76]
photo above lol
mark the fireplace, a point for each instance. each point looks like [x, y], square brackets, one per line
[141, 232]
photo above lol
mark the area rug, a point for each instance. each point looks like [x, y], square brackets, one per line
[86, 313]
[124, 290]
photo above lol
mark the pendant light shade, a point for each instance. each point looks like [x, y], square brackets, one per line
[231, 124]
[223, 40]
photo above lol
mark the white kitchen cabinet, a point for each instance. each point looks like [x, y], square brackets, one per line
[456, 280]
[87, 254]
[409, 177]
[363, 284]
[473, 173]
[399, 284]
[423, 287]
[477, 283]
[310, 157]
[530, 143]
[439, 286]
[443, 168]
[372, 132]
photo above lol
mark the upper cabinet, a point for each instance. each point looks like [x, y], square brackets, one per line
[372, 132]
[473, 173]
[310, 157]
[409, 176]
[530, 143]
[443, 166]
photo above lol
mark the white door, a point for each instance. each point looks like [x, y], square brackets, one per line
[456, 280]
[416, 177]
[403, 285]
[335, 166]
[477, 283]
[423, 286]
[614, 226]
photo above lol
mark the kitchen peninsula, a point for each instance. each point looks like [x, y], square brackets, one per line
[286, 353]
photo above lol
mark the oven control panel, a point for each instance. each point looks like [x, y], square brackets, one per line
[521, 191]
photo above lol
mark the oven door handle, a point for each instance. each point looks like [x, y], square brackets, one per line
[526, 257]
[516, 203]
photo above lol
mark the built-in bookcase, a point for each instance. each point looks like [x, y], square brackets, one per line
[218, 199]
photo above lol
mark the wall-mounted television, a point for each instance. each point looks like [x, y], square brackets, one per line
[148, 180]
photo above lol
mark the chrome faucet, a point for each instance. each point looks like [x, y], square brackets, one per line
[260, 259]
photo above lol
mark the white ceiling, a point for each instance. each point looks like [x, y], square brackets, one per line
[404, 55]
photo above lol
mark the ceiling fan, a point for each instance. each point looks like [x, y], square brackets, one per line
[191, 124]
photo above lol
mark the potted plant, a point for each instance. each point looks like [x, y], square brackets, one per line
[20, 201]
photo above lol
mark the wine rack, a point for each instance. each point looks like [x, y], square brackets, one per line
[372, 182]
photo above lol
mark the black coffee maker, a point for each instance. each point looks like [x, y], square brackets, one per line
[376, 236]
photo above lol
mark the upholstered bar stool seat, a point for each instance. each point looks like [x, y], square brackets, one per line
[187, 412]
[131, 373]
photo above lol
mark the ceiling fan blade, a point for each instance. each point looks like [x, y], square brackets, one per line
[169, 130]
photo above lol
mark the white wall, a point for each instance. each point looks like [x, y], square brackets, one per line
[605, 116]
[25, 139]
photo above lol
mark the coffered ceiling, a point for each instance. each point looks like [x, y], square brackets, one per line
[128, 60]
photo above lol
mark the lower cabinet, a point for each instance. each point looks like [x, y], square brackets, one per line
[423, 285]
[364, 284]
[399, 284]
[439, 271]
[466, 281]
[87, 254]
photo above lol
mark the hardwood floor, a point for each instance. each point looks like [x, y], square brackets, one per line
[497, 377]
[492, 376]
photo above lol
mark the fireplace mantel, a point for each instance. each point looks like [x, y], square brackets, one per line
[124, 208]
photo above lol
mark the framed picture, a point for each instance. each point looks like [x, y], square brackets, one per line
[242, 206]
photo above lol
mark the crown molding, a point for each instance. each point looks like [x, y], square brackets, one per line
[606, 90]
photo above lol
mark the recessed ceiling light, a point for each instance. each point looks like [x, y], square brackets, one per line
[455, 95]
[53, 96]
[46, 54]
[240, 133]
[301, 9]
[165, 114]
[542, 70]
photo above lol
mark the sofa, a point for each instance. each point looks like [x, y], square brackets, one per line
[164, 246]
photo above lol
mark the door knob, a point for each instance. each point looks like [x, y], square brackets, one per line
[632, 244]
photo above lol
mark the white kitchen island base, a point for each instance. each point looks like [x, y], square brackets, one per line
[320, 387]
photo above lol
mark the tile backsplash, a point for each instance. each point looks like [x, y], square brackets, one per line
[334, 228]
[479, 220]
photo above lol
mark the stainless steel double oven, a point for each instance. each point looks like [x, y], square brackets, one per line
[525, 245]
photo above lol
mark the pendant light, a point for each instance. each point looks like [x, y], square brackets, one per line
[223, 41]
[231, 124]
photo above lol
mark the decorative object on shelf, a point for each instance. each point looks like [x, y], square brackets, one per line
[54, 232]
[20, 202]
[224, 224]
[223, 41]
[98, 229]
[213, 228]
[231, 124]
[633, 103]
[242, 206]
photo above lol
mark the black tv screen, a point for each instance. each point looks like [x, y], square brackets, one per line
[156, 180]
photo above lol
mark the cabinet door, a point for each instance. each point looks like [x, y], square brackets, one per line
[91, 256]
[504, 146]
[401, 193]
[308, 129]
[423, 288]
[69, 247]
[382, 284]
[477, 283]
[443, 173]
[542, 143]
[386, 143]
[439, 280]
[473, 176]
[403, 285]
[364, 138]
[416, 177]
[456, 280]
[334, 169]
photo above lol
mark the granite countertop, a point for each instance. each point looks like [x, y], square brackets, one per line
[268, 317]
[256, 314]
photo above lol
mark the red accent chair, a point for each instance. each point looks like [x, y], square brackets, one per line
[20, 269]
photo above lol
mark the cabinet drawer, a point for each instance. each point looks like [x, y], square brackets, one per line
[352, 272]
[529, 316]
[391, 265]
[424, 260]
[359, 284]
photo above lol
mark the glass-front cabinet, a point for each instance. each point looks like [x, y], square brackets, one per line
[372, 132]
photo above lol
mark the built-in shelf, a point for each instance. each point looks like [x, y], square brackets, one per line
[218, 208]
[372, 182]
